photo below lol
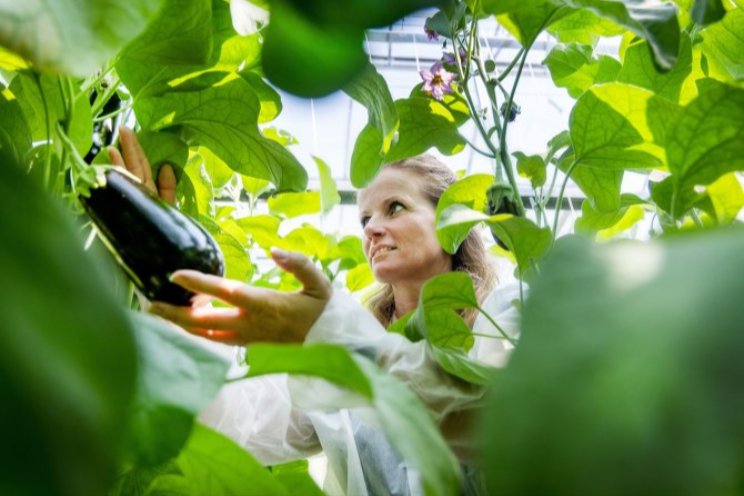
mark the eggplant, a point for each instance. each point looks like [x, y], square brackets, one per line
[149, 238]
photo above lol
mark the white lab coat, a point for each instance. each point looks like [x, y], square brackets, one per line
[279, 418]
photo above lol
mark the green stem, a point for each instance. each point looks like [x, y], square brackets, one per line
[559, 202]
[478, 150]
[102, 99]
[48, 159]
[112, 114]
[498, 327]
[511, 66]
[95, 82]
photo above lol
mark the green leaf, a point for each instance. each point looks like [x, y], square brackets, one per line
[469, 191]
[255, 187]
[57, 38]
[651, 355]
[424, 123]
[309, 241]
[453, 290]
[10, 61]
[296, 479]
[608, 224]
[327, 361]
[163, 148]
[179, 41]
[359, 277]
[329, 196]
[213, 464]
[67, 355]
[583, 26]
[367, 156]
[606, 142]
[573, 67]
[524, 239]
[655, 21]
[308, 59]
[706, 12]
[224, 118]
[294, 204]
[370, 89]
[237, 260]
[263, 229]
[178, 379]
[638, 69]
[457, 363]
[531, 167]
[454, 223]
[218, 172]
[271, 102]
[39, 95]
[15, 136]
[194, 190]
[722, 41]
[441, 327]
[707, 141]
[526, 20]
[727, 197]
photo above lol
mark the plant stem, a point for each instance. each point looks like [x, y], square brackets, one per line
[559, 202]
[102, 99]
[498, 327]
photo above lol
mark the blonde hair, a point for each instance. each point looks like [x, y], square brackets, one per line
[471, 257]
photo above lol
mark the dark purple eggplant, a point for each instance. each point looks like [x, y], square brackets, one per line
[149, 238]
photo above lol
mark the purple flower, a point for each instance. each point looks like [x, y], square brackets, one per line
[449, 58]
[437, 81]
[430, 33]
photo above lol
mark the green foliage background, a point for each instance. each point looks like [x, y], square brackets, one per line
[626, 376]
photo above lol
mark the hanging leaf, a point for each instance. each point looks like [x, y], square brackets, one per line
[424, 123]
[293, 204]
[573, 67]
[706, 12]
[329, 196]
[531, 167]
[15, 136]
[178, 379]
[367, 156]
[583, 26]
[722, 42]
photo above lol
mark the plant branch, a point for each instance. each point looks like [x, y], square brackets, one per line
[498, 327]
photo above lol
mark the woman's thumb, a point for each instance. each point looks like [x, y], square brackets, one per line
[314, 282]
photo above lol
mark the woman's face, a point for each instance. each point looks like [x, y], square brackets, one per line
[398, 221]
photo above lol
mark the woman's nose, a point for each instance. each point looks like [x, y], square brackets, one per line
[372, 229]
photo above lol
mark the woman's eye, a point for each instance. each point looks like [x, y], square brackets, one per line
[396, 207]
[364, 221]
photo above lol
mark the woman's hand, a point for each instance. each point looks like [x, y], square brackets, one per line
[132, 157]
[257, 314]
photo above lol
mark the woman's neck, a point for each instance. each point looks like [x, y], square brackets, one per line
[405, 298]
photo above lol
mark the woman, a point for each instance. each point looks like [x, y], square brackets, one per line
[397, 213]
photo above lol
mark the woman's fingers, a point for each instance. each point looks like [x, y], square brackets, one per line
[314, 282]
[167, 184]
[116, 157]
[230, 291]
[225, 319]
[226, 337]
[134, 158]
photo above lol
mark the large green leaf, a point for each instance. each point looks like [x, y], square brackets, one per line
[294, 204]
[653, 359]
[531, 167]
[583, 26]
[706, 12]
[224, 119]
[72, 36]
[176, 41]
[296, 479]
[653, 20]
[707, 141]
[723, 42]
[163, 148]
[328, 361]
[573, 67]
[455, 222]
[263, 229]
[271, 102]
[68, 360]
[638, 69]
[178, 378]
[424, 123]
[213, 464]
[441, 327]
[452, 290]
[605, 143]
[370, 89]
